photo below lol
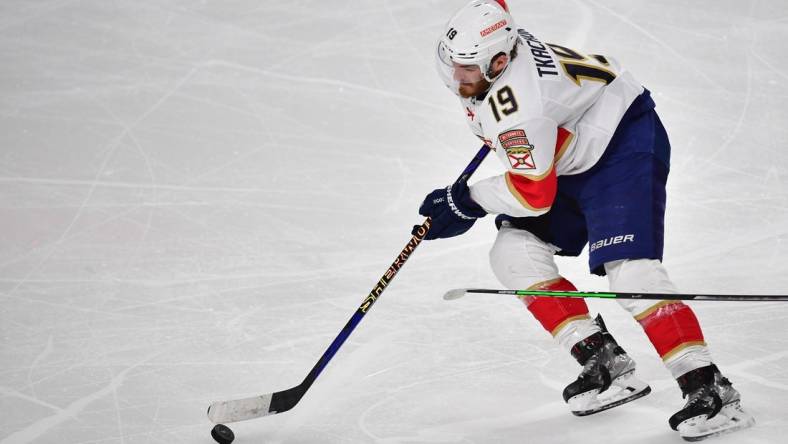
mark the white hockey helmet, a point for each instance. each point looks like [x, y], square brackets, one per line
[474, 36]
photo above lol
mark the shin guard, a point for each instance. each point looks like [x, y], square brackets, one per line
[566, 319]
[676, 335]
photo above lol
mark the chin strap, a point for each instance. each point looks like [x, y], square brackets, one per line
[488, 75]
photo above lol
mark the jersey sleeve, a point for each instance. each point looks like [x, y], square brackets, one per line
[528, 188]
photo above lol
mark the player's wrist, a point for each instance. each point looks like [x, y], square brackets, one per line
[462, 204]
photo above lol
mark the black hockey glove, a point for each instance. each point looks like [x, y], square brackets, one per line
[452, 210]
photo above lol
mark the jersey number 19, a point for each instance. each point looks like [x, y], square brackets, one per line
[577, 66]
[503, 99]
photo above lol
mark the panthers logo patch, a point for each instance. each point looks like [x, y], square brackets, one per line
[518, 149]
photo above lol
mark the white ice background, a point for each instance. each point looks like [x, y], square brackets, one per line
[195, 196]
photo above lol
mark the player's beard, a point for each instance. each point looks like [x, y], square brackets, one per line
[468, 90]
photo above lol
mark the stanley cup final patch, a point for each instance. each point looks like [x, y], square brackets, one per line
[518, 149]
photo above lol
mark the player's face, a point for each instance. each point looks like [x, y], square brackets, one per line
[470, 78]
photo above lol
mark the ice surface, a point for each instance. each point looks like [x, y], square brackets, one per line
[196, 195]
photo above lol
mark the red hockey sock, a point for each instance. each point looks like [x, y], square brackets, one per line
[555, 313]
[671, 326]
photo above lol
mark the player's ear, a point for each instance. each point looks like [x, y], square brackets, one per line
[499, 62]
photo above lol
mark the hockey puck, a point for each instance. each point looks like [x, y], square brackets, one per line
[222, 434]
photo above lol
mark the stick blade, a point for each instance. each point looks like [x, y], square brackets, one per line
[454, 294]
[222, 412]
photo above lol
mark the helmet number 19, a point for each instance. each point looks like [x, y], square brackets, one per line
[504, 101]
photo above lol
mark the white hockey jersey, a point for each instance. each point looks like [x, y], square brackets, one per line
[551, 112]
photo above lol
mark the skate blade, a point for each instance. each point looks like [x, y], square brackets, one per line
[731, 418]
[624, 389]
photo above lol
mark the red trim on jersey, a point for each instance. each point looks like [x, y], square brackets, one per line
[562, 141]
[671, 327]
[554, 313]
[536, 194]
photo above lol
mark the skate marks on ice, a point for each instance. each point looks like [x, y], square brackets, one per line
[209, 183]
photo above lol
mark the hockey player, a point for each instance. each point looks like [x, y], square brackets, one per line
[586, 160]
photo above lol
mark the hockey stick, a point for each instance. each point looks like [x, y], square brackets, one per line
[460, 292]
[278, 402]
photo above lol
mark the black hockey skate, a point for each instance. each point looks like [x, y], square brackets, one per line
[608, 377]
[713, 406]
